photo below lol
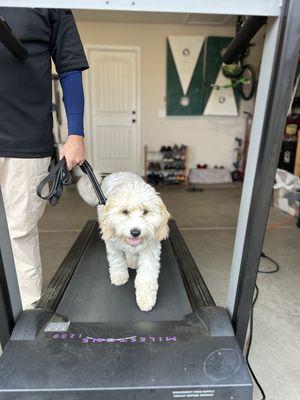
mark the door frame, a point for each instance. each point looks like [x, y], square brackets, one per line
[86, 86]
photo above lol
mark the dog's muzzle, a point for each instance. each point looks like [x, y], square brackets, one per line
[135, 238]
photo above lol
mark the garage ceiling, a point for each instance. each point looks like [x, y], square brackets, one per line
[153, 17]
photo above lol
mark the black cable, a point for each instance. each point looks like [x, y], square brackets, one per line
[272, 271]
[256, 294]
[250, 342]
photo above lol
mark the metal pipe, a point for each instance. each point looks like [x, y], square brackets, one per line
[240, 43]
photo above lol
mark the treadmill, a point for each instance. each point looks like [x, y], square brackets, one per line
[87, 339]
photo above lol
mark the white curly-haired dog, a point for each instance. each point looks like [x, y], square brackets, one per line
[133, 222]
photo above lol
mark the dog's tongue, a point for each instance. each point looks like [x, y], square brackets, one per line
[135, 241]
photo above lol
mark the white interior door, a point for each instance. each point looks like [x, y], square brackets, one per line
[113, 108]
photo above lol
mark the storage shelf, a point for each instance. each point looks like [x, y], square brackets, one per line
[163, 173]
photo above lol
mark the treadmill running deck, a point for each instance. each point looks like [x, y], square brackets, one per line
[90, 297]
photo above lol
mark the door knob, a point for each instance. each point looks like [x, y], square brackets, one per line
[133, 121]
[133, 112]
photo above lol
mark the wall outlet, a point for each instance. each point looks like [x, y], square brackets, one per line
[162, 113]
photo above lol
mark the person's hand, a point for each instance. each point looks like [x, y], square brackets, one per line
[73, 151]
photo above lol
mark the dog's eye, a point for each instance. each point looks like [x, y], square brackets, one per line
[125, 212]
[145, 212]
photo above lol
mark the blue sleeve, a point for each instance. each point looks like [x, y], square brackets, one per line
[73, 98]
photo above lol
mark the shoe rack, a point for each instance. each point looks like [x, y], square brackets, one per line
[169, 165]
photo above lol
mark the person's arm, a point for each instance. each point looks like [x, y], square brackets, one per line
[73, 98]
[68, 55]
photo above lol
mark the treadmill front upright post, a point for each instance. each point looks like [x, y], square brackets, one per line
[264, 84]
[272, 103]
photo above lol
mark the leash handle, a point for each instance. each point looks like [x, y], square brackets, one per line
[88, 170]
[59, 176]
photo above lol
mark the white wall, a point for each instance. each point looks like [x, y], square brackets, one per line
[211, 139]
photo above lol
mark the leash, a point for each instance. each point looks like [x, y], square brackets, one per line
[59, 176]
[88, 170]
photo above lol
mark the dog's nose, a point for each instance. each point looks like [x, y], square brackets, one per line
[135, 232]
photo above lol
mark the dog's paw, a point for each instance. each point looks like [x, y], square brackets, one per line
[119, 278]
[146, 295]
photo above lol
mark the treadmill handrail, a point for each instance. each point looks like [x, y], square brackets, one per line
[240, 43]
[11, 42]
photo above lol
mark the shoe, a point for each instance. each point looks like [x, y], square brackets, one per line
[200, 166]
[150, 166]
[156, 166]
[168, 156]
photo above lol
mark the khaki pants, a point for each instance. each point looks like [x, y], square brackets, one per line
[19, 178]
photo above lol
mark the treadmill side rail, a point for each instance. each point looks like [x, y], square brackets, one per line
[197, 291]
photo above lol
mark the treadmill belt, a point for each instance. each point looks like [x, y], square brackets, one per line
[90, 297]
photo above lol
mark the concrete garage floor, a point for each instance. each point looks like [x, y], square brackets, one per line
[207, 221]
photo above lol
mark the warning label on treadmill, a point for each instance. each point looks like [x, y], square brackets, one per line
[192, 394]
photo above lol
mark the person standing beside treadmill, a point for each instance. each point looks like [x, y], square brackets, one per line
[26, 139]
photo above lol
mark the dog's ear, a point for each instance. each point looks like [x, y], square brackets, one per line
[163, 229]
[107, 231]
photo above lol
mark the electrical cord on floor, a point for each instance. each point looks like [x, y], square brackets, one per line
[250, 342]
[272, 271]
[256, 294]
